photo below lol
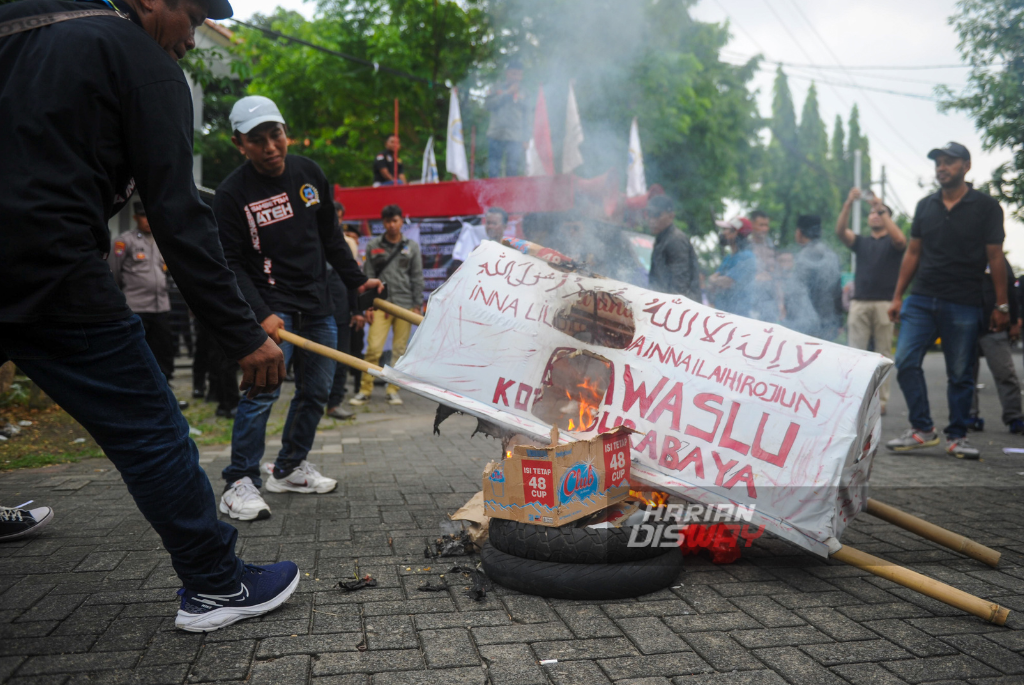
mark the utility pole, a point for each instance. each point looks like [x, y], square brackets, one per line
[856, 206]
[857, 184]
[882, 194]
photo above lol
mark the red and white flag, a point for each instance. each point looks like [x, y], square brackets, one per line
[540, 160]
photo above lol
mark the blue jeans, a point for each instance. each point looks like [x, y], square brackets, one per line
[105, 376]
[314, 375]
[512, 151]
[922, 320]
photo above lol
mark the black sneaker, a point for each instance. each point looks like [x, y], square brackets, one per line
[16, 522]
[263, 589]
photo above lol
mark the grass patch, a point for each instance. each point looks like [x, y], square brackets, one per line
[49, 440]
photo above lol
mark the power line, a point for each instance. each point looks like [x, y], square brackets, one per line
[749, 34]
[886, 67]
[791, 65]
[818, 79]
[351, 58]
[850, 77]
[796, 42]
[806, 55]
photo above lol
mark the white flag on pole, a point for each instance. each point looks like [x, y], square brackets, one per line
[455, 161]
[571, 156]
[636, 183]
[429, 174]
[534, 165]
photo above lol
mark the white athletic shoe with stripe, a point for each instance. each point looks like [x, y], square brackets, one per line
[304, 479]
[243, 501]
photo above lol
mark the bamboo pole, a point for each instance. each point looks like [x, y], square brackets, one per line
[926, 586]
[930, 531]
[323, 350]
[397, 312]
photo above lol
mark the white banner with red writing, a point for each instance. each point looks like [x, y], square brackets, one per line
[728, 410]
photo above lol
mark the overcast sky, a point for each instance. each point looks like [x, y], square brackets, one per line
[852, 33]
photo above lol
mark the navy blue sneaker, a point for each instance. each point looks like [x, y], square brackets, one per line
[263, 589]
[1017, 427]
[976, 423]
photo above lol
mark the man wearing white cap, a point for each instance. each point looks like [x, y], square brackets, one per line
[279, 231]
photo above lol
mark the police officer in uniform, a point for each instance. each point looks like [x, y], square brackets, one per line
[141, 275]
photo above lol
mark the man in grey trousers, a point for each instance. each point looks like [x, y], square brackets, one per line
[997, 349]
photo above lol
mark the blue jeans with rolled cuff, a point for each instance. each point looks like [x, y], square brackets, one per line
[105, 376]
[922, 320]
[314, 375]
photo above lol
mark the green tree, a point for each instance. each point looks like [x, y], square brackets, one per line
[837, 154]
[339, 111]
[648, 59]
[992, 42]
[782, 164]
[815, 191]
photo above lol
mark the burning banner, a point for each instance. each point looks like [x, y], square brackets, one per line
[728, 411]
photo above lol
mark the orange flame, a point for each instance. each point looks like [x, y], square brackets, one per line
[588, 396]
[508, 454]
[654, 498]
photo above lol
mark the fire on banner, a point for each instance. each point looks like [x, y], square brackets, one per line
[728, 410]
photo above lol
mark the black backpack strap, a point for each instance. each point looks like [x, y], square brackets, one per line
[398, 251]
[36, 21]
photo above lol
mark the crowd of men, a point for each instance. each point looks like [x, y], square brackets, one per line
[964, 291]
[116, 120]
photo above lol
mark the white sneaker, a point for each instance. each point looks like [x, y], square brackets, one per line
[305, 479]
[242, 501]
[359, 400]
[393, 398]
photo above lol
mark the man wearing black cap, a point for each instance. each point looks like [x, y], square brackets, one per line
[141, 274]
[95, 107]
[956, 233]
[816, 267]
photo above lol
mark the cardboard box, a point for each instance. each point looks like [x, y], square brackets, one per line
[554, 485]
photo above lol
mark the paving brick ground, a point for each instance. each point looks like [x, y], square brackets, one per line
[92, 599]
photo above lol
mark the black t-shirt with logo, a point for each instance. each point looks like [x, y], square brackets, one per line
[878, 267]
[953, 242]
[386, 160]
[278, 235]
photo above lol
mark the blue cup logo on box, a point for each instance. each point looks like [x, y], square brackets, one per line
[579, 482]
[497, 476]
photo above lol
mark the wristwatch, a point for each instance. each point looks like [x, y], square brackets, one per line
[1004, 308]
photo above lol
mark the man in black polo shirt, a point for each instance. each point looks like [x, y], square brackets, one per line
[956, 232]
[384, 165]
[878, 267]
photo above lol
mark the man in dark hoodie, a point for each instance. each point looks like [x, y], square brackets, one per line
[817, 268]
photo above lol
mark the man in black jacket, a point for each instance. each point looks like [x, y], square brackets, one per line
[674, 265]
[95, 107]
[279, 230]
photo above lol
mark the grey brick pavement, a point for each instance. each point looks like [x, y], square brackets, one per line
[92, 599]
